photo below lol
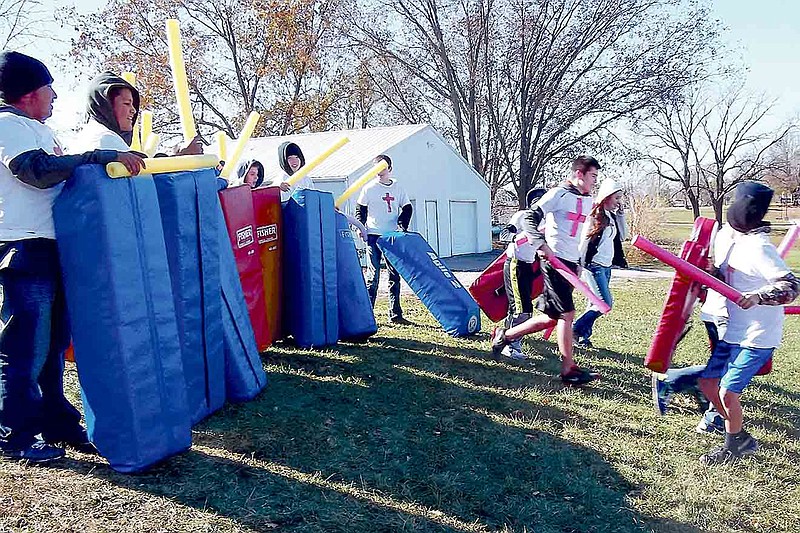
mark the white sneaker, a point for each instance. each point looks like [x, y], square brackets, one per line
[514, 351]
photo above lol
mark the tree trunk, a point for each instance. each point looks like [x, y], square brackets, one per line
[718, 204]
[694, 202]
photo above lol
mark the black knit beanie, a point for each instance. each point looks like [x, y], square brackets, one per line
[749, 207]
[20, 75]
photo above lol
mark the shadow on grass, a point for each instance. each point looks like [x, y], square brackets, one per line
[402, 438]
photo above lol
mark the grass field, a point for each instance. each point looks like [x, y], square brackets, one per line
[417, 431]
[677, 227]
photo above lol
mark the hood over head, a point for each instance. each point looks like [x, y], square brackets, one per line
[244, 167]
[99, 105]
[284, 151]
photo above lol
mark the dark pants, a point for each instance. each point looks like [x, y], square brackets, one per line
[34, 333]
[374, 256]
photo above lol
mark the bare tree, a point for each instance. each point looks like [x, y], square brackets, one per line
[736, 147]
[539, 81]
[671, 130]
[784, 160]
[19, 22]
[241, 55]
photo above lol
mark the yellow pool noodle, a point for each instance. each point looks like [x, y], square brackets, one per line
[130, 77]
[222, 143]
[136, 142]
[241, 142]
[308, 167]
[147, 125]
[160, 165]
[151, 144]
[179, 80]
[360, 182]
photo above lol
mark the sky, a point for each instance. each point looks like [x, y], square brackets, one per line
[763, 34]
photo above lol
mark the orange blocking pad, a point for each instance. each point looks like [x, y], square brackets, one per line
[269, 234]
[237, 205]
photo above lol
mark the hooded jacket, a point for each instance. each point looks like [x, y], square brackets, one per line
[99, 108]
[242, 172]
[284, 151]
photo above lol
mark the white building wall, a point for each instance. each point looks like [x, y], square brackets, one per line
[431, 171]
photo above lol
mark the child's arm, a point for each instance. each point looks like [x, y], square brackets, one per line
[404, 219]
[529, 224]
[780, 291]
[783, 287]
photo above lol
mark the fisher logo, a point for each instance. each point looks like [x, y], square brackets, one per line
[345, 234]
[267, 233]
[244, 237]
[472, 326]
[449, 275]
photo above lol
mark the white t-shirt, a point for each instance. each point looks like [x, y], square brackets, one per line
[384, 204]
[95, 136]
[605, 248]
[25, 211]
[305, 183]
[565, 213]
[752, 263]
[715, 305]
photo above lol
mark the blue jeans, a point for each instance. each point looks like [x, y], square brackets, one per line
[34, 333]
[602, 276]
[374, 256]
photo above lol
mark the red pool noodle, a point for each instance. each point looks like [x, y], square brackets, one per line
[686, 268]
[575, 281]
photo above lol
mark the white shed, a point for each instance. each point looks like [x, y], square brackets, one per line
[450, 200]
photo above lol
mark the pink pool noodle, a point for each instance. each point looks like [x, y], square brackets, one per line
[578, 284]
[789, 240]
[686, 268]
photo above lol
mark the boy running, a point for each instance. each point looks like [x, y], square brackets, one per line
[564, 210]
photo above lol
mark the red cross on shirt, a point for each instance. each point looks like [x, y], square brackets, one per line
[388, 199]
[577, 218]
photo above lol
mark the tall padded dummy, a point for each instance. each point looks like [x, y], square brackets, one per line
[244, 372]
[311, 312]
[432, 282]
[188, 203]
[269, 232]
[237, 205]
[122, 314]
[356, 318]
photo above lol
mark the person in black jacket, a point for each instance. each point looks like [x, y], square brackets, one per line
[33, 323]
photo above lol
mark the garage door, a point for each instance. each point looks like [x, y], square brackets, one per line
[464, 227]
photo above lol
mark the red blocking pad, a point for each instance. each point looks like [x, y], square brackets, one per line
[237, 206]
[488, 289]
[683, 294]
[269, 234]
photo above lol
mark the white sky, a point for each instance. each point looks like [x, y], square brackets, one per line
[763, 32]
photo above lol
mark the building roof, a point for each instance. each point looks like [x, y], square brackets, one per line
[364, 145]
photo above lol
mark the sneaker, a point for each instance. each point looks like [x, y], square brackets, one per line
[712, 422]
[77, 439]
[661, 393]
[37, 453]
[579, 376]
[401, 321]
[513, 350]
[717, 456]
[746, 445]
[498, 341]
[583, 342]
